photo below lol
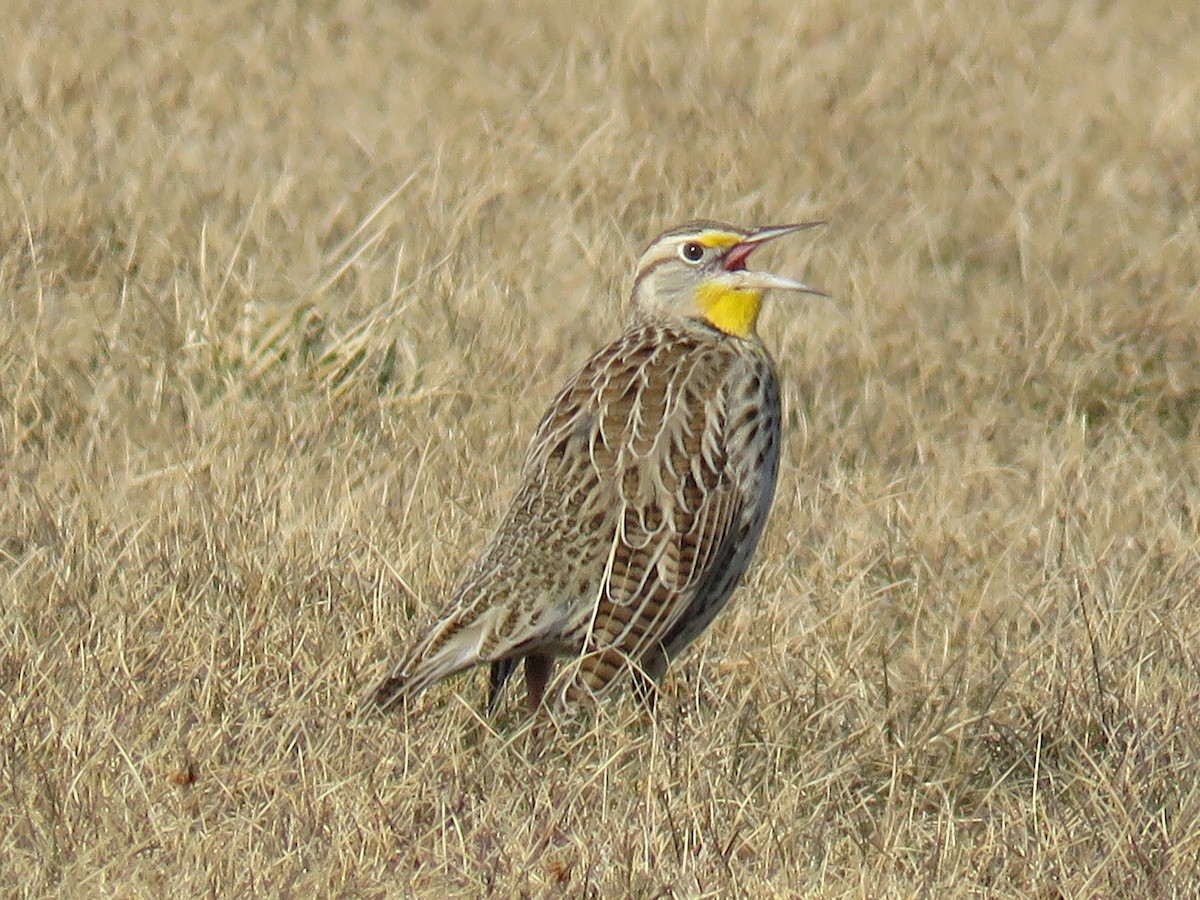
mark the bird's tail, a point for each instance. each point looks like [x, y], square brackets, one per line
[437, 656]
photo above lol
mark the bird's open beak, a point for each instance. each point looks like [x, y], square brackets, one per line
[735, 261]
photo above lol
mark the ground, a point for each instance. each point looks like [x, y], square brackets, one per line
[284, 289]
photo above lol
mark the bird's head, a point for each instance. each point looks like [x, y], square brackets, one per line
[699, 271]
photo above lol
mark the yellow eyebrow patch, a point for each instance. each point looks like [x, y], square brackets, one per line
[718, 238]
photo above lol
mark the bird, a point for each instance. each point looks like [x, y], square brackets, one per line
[643, 494]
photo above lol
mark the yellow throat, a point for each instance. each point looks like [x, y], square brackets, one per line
[729, 310]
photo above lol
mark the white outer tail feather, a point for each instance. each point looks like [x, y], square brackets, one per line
[405, 682]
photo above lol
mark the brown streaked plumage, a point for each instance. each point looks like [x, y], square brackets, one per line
[643, 494]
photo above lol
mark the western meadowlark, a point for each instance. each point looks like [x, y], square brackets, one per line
[644, 491]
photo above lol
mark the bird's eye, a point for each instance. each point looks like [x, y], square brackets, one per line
[692, 251]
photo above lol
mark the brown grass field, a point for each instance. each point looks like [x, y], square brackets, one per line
[284, 291]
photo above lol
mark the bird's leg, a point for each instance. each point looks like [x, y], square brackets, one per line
[537, 675]
[646, 690]
[500, 671]
[647, 675]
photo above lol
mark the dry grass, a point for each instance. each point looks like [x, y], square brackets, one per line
[284, 292]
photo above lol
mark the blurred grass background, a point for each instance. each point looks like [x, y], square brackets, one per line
[285, 288]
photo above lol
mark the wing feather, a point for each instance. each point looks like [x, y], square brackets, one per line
[679, 506]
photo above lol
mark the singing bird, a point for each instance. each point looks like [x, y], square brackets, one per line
[643, 494]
